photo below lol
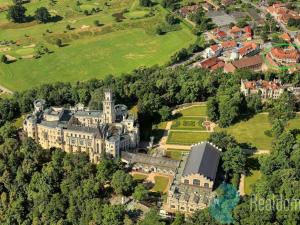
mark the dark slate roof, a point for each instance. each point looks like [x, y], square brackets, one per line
[203, 159]
[149, 160]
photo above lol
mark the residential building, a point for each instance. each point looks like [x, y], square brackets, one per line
[248, 49]
[79, 129]
[284, 56]
[213, 51]
[193, 185]
[252, 63]
[266, 89]
[188, 9]
[229, 45]
[210, 63]
[286, 37]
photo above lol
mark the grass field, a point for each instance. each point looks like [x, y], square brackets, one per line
[161, 183]
[194, 111]
[90, 51]
[187, 138]
[138, 176]
[250, 132]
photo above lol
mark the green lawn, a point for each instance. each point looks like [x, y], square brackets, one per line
[187, 138]
[199, 110]
[250, 180]
[161, 184]
[252, 131]
[254, 174]
[139, 176]
[175, 154]
[188, 123]
[91, 52]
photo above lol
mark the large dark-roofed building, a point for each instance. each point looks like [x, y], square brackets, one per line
[203, 159]
[192, 187]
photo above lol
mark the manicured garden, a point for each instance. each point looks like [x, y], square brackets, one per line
[175, 154]
[188, 123]
[187, 138]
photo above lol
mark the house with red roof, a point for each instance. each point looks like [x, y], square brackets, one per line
[284, 56]
[213, 51]
[229, 45]
[248, 49]
[266, 89]
[210, 64]
[286, 37]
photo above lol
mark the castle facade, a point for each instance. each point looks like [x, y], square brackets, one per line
[79, 129]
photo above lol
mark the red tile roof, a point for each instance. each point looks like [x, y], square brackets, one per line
[248, 47]
[229, 44]
[286, 37]
[215, 47]
[248, 62]
[285, 53]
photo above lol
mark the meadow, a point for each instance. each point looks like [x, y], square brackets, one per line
[89, 51]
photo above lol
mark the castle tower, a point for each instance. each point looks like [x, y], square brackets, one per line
[109, 114]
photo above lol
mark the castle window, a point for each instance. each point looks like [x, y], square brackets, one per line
[182, 208]
[206, 185]
[173, 206]
[186, 181]
[196, 182]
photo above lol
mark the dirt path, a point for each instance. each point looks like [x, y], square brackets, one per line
[242, 185]
[5, 90]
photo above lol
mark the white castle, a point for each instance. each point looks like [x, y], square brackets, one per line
[79, 129]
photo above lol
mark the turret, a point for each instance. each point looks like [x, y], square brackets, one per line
[109, 114]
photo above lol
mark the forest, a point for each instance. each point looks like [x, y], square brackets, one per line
[52, 187]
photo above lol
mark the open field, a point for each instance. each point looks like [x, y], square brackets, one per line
[90, 51]
[199, 110]
[250, 132]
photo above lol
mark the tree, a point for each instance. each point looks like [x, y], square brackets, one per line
[42, 15]
[146, 3]
[59, 42]
[222, 139]
[16, 13]
[212, 109]
[4, 59]
[283, 108]
[122, 182]
[277, 128]
[152, 218]
[105, 170]
[113, 215]
[234, 160]
[165, 112]
[170, 19]
[97, 23]
[179, 219]
[140, 193]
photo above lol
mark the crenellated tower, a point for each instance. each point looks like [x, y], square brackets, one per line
[109, 114]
